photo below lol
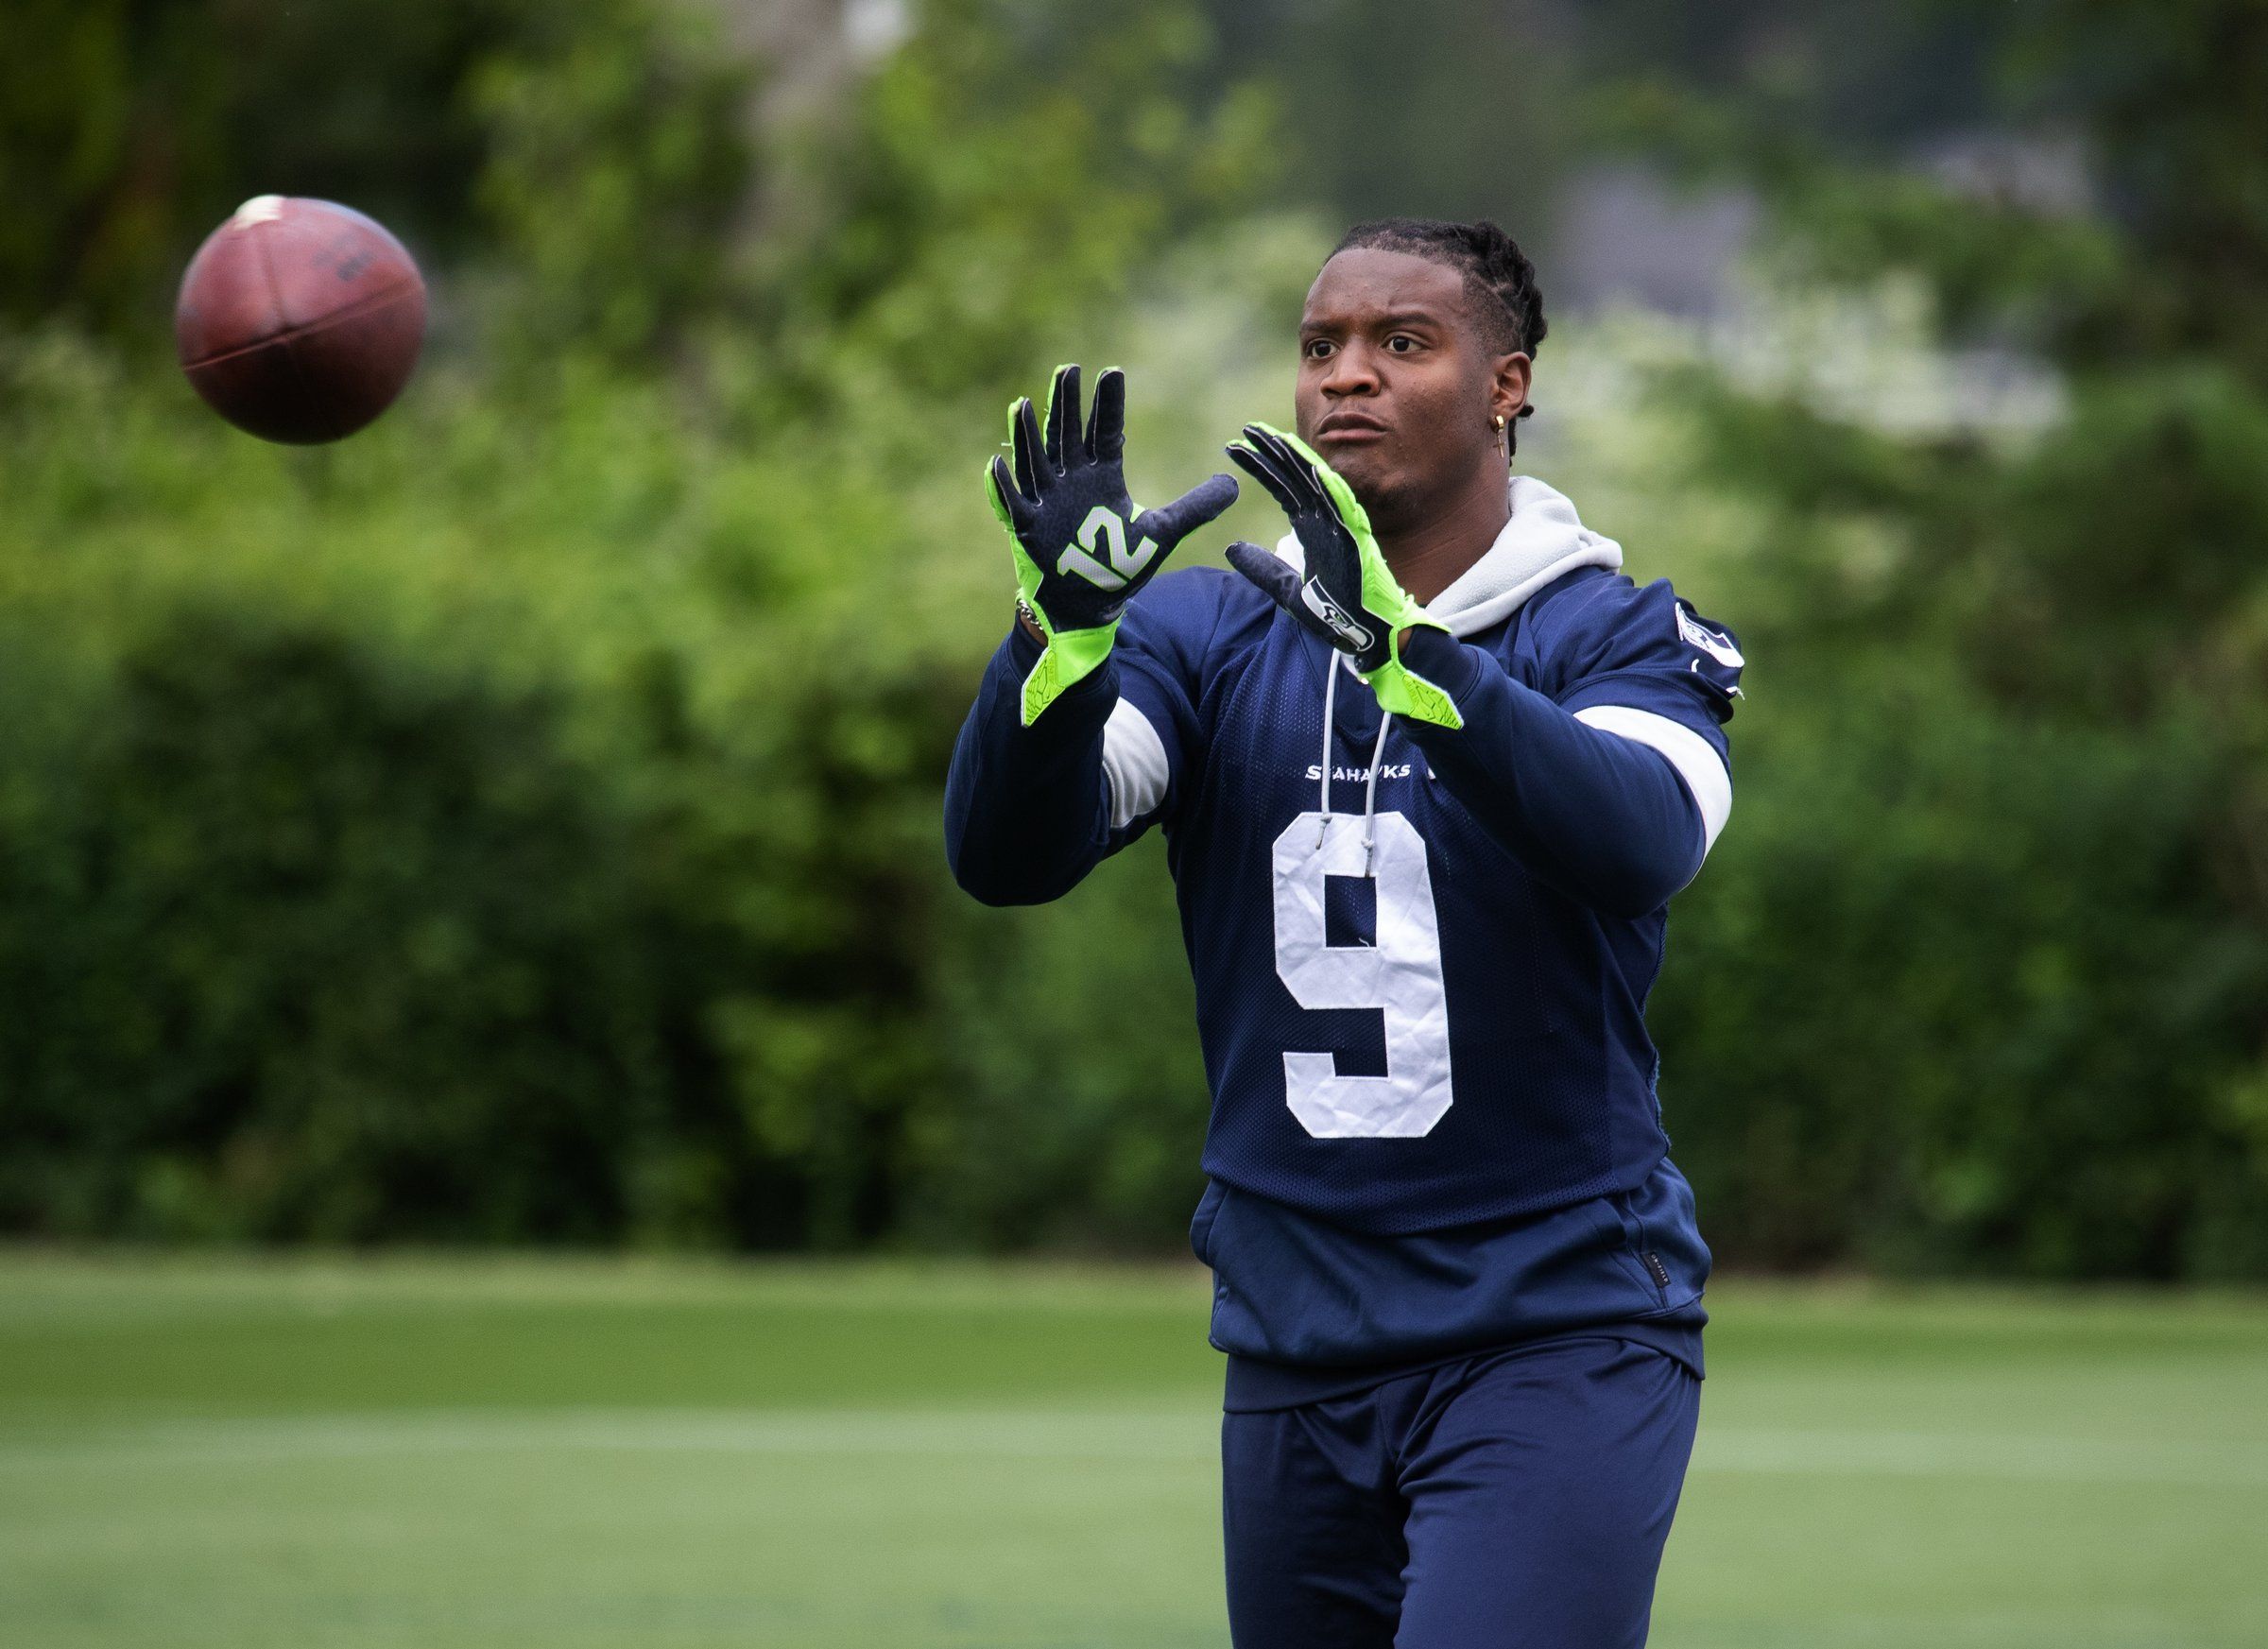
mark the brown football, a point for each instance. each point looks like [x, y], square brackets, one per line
[300, 320]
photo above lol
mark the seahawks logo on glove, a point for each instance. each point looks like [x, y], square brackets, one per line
[1343, 592]
[1353, 637]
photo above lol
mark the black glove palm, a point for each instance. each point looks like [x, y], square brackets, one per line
[1346, 593]
[1083, 548]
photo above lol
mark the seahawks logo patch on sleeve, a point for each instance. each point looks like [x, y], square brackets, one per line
[1717, 643]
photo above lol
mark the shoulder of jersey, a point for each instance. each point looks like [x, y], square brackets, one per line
[1611, 622]
[1586, 591]
[1584, 601]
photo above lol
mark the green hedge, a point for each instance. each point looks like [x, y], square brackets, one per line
[395, 844]
[415, 841]
[521, 823]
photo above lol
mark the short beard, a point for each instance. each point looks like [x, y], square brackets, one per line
[1390, 508]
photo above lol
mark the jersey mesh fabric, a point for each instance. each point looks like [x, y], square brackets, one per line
[1551, 1069]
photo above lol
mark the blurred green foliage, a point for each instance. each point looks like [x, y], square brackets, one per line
[520, 822]
[523, 824]
[128, 128]
[1983, 983]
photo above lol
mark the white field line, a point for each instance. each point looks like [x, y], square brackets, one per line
[976, 1434]
[1109, 1435]
[1991, 1455]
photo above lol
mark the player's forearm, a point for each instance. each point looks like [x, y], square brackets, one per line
[1025, 807]
[1604, 819]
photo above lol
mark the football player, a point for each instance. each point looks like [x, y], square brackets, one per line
[1429, 772]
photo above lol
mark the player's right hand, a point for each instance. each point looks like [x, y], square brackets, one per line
[1082, 547]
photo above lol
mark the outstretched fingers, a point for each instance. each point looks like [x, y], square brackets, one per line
[1261, 458]
[1296, 459]
[1032, 469]
[1338, 494]
[1275, 578]
[1063, 416]
[1008, 500]
[1322, 486]
[1307, 458]
[1107, 421]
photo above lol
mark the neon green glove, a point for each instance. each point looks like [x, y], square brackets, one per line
[1347, 594]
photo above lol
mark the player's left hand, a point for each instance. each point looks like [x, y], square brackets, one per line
[1083, 548]
[1346, 594]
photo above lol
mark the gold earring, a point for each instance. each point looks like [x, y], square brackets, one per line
[1500, 420]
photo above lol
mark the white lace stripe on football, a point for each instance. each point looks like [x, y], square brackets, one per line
[1707, 779]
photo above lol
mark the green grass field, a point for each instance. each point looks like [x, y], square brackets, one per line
[443, 1453]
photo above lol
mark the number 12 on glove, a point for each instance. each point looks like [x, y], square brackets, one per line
[1082, 547]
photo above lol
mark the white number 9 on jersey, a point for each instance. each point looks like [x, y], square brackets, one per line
[1399, 975]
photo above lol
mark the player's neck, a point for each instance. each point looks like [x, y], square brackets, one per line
[1430, 554]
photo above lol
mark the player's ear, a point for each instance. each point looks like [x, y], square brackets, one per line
[1508, 387]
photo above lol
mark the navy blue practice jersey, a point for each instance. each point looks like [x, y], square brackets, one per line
[1420, 995]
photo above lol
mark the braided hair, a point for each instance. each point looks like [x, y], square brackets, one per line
[1500, 281]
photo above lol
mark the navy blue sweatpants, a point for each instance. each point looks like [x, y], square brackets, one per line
[1517, 1500]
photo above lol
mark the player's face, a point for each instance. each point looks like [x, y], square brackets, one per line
[1395, 390]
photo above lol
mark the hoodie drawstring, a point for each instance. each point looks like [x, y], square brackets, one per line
[1330, 698]
[1371, 790]
[1542, 540]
